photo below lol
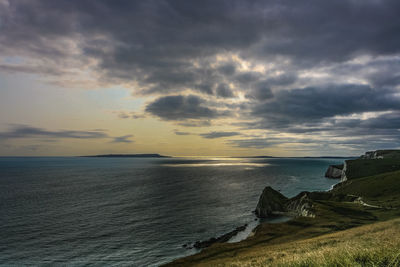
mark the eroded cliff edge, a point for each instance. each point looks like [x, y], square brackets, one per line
[273, 203]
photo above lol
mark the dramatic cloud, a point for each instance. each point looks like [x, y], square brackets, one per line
[223, 90]
[352, 143]
[312, 104]
[173, 45]
[213, 135]
[317, 71]
[182, 107]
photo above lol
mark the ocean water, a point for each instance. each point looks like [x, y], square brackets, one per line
[134, 211]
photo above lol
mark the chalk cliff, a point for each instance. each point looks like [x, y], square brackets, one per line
[334, 171]
[270, 202]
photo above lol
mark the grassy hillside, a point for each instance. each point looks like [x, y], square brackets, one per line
[344, 232]
[369, 245]
[367, 167]
[382, 189]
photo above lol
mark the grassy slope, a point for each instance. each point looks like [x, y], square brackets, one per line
[367, 167]
[369, 245]
[280, 244]
[382, 189]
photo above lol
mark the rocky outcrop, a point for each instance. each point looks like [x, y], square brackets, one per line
[270, 203]
[273, 203]
[381, 154]
[221, 239]
[334, 171]
[372, 155]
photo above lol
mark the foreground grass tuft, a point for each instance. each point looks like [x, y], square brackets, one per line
[370, 245]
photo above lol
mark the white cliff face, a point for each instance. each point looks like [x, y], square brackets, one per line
[270, 203]
[369, 155]
[334, 171]
[302, 206]
[343, 176]
[372, 155]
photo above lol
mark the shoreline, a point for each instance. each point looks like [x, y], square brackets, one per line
[234, 235]
[335, 210]
[222, 239]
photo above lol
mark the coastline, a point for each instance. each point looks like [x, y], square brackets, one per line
[337, 209]
[277, 218]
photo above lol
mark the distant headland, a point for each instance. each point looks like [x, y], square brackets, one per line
[127, 156]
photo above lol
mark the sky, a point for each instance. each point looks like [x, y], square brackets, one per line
[199, 78]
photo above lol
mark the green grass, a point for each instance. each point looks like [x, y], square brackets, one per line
[389, 153]
[371, 245]
[368, 245]
[367, 167]
[382, 189]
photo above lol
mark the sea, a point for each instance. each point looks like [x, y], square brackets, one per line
[80, 211]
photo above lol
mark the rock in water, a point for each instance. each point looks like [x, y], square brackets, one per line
[334, 171]
[221, 239]
[270, 202]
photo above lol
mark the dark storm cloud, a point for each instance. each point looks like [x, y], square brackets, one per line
[180, 107]
[356, 142]
[383, 122]
[227, 69]
[261, 89]
[385, 79]
[260, 92]
[300, 64]
[248, 77]
[23, 131]
[164, 37]
[331, 116]
[313, 104]
[386, 125]
[224, 91]
[213, 135]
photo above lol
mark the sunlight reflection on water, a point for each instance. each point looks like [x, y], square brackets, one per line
[218, 164]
